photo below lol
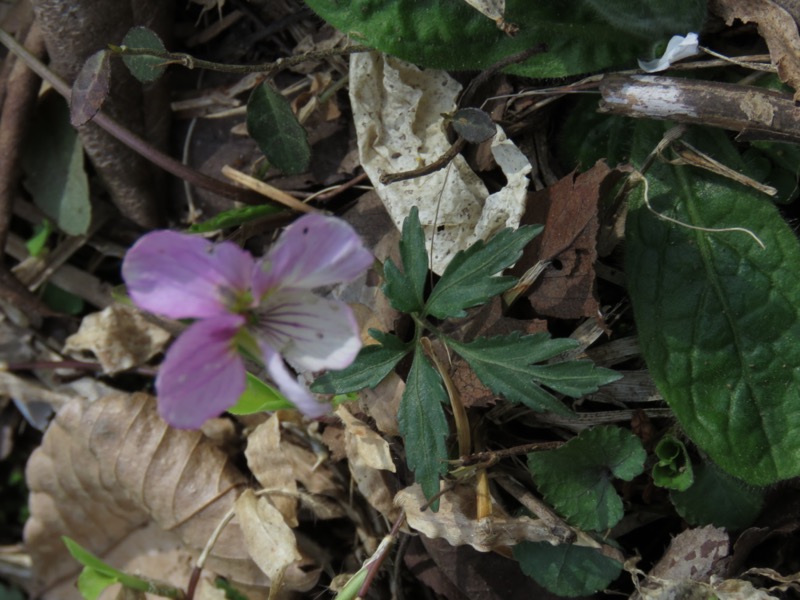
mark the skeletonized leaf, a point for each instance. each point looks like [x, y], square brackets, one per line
[276, 130]
[90, 88]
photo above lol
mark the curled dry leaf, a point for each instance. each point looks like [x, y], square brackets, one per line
[456, 523]
[397, 110]
[108, 468]
[119, 336]
[369, 456]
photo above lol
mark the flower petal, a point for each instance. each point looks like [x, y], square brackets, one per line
[678, 47]
[314, 251]
[311, 332]
[289, 386]
[202, 374]
[184, 276]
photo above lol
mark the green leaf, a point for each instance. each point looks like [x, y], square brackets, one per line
[278, 133]
[61, 300]
[674, 467]
[38, 241]
[144, 68]
[504, 365]
[235, 217]
[567, 570]
[424, 426]
[259, 397]
[370, 367]
[52, 158]
[92, 583]
[452, 35]
[405, 290]
[716, 498]
[472, 278]
[718, 317]
[577, 478]
[231, 593]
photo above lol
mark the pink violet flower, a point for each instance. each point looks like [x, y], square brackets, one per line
[265, 306]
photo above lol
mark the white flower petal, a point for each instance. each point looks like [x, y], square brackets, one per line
[294, 391]
[679, 47]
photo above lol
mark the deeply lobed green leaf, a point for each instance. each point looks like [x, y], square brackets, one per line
[577, 478]
[405, 289]
[472, 277]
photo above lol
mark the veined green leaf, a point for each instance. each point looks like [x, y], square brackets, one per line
[567, 570]
[278, 133]
[577, 478]
[504, 365]
[452, 35]
[472, 277]
[718, 316]
[424, 426]
[405, 290]
[370, 367]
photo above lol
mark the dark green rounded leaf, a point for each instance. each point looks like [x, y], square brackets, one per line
[144, 68]
[278, 133]
[473, 124]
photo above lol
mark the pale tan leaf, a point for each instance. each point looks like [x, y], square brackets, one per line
[455, 521]
[108, 468]
[119, 336]
[269, 540]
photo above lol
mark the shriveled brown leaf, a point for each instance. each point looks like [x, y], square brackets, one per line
[777, 26]
[108, 468]
[119, 336]
[455, 521]
[382, 403]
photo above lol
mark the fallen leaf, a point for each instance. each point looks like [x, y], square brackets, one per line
[776, 26]
[111, 467]
[119, 336]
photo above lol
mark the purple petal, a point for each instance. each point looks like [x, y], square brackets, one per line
[184, 276]
[311, 332]
[312, 252]
[287, 383]
[202, 374]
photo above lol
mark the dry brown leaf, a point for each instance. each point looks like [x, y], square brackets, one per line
[369, 456]
[108, 468]
[776, 26]
[382, 403]
[568, 211]
[119, 336]
[271, 542]
[455, 521]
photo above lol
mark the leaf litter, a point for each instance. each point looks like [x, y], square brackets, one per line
[307, 500]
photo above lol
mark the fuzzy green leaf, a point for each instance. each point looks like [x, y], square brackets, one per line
[424, 426]
[718, 316]
[405, 290]
[52, 159]
[452, 35]
[235, 217]
[566, 570]
[716, 498]
[577, 478]
[144, 68]
[278, 133]
[504, 365]
[674, 467]
[472, 277]
[370, 367]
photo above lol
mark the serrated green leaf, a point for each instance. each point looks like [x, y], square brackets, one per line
[674, 467]
[716, 498]
[52, 159]
[574, 378]
[718, 317]
[406, 290]
[472, 277]
[278, 133]
[370, 367]
[144, 68]
[452, 35]
[504, 365]
[258, 397]
[424, 426]
[235, 217]
[577, 478]
[566, 570]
